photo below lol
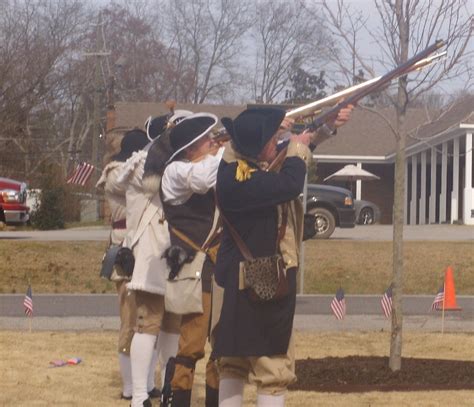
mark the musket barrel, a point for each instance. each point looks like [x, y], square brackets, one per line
[400, 70]
[310, 108]
[363, 90]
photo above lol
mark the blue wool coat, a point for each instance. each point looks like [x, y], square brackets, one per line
[248, 328]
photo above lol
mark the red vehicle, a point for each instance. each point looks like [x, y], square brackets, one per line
[13, 209]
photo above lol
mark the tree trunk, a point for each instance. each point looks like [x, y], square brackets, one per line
[395, 362]
[397, 280]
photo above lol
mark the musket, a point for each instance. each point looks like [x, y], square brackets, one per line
[310, 108]
[422, 59]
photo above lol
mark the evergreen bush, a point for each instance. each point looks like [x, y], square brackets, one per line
[50, 212]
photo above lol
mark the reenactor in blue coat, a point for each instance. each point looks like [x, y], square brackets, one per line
[254, 337]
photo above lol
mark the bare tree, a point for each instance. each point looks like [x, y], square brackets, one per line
[406, 27]
[36, 37]
[207, 34]
[286, 38]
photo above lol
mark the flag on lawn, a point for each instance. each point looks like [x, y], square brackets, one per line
[28, 302]
[438, 300]
[386, 302]
[81, 174]
[338, 304]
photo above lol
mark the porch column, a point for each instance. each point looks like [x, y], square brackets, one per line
[414, 198]
[468, 219]
[422, 217]
[433, 186]
[444, 183]
[359, 185]
[455, 191]
[405, 214]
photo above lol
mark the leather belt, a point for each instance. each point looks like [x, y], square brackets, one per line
[119, 224]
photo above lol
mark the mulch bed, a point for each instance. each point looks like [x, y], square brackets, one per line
[354, 374]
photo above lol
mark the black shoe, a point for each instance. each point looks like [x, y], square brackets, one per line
[146, 403]
[154, 393]
[122, 397]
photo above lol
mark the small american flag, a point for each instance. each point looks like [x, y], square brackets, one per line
[438, 300]
[28, 302]
[338, 304]
[81, 174]
[386, 302]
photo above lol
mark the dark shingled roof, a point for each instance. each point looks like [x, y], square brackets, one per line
[129, 115]
[366, 134]
[461, 111]
[369, 135]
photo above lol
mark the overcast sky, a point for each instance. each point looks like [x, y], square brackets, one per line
[371, 50]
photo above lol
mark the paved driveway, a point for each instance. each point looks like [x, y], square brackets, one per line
[90, 233]
[418, 232]
[373, 232]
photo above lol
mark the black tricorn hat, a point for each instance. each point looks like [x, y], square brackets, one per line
[155, 126]
[133, 140]
[253, 128]
[190, 130]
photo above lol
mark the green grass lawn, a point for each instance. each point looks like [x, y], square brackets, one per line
[359, 267]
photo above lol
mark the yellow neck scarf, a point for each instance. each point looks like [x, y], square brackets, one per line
[244, 171]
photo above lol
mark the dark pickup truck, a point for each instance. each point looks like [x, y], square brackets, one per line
[331, 207]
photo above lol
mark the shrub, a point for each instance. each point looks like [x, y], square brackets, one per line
[50, 212]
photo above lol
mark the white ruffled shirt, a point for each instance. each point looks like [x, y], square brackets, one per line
[182, 179]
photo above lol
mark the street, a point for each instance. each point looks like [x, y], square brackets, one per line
[373, 232]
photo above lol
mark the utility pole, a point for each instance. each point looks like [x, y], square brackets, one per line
[96, 127]
[96, 119]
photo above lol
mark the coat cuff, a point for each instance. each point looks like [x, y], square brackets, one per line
[297, 149]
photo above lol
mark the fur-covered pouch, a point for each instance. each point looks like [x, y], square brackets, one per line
[117, 263]
[265, 278]
[184, 292]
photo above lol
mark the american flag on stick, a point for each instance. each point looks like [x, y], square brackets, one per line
[28, 302]
[338, 304]
[386, 302]
[438, 300]
[81, 174]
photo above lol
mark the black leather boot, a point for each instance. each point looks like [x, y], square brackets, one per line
[212, 397]
[181, 398]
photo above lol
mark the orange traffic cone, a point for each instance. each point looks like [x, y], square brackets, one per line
[449, 291]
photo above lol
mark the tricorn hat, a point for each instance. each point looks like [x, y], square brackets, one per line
[133, 140]
[253, 128]
[156, 126]
[190, 130]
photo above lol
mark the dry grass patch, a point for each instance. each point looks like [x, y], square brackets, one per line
[366, 267]
[27, 380]
[360, 267]
[52, 267]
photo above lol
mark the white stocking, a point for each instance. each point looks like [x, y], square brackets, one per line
[231, 392]
[141, 355]
[152, 370]
[126, 373]
[167, 348]
[267, 400]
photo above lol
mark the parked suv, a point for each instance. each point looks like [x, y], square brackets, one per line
[13, 207]
[331, 207]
